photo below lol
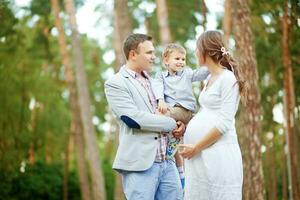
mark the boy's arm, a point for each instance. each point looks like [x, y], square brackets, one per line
[199, 74]
[158, 86]
[158, 90]
[122, 104]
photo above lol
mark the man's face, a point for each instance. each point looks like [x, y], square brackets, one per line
[145, 56]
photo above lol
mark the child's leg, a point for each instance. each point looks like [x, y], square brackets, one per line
[178, 160]
[181, 114]
[180, 168]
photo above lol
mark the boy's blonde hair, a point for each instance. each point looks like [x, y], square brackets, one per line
[170, 48]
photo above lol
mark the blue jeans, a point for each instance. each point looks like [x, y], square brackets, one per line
[160, 182]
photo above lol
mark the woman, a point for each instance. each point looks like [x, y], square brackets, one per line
[213, 158]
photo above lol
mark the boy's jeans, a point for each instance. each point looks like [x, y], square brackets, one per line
[160, 182]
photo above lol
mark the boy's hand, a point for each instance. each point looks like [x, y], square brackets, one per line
[162, 106]
[179, 131]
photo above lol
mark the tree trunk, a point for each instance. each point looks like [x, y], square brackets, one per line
[31, 150]
[77, 131]
[163, 22]
[250, 140]
[31, 154]
[204, 13]
[76, 124]
[284, 176]
[227, 22]
[99, 192]
[66, 165]
[122, 29]
[289, 107]
[273, 177]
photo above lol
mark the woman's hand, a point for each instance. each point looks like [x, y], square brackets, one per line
[188, 150]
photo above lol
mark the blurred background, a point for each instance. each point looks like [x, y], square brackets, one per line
[57, 134]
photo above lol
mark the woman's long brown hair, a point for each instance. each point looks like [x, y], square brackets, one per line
[210, 43]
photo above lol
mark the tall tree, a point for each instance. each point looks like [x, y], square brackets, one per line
[204, 14]
[76, 125]
[289, 106]
[122, 21]
[251, 144]
[163, 21]
[227, 21]
[85, 112]
[122, 28]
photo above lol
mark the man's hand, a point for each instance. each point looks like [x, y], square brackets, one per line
[179, 131]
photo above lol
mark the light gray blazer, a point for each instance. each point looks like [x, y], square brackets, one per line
[139, 126]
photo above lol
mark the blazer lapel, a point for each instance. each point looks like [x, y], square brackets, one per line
[140, 89]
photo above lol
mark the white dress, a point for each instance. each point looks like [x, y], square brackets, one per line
[217, 172]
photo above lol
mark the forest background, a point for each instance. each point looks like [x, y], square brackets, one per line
[57, 134]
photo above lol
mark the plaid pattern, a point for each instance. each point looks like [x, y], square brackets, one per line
[162, 139]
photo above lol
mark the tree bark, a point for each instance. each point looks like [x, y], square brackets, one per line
[273, 176]
[76, 124]
[122, 28]
[163, 22]
[97, 178]
[250, 139]
[204, 13]
[284, 176]
[227, 22]
[289, 107]
[66, 165]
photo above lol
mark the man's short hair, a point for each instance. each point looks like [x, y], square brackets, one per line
[132, 42]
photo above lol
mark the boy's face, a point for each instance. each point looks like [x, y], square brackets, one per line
[175, 62]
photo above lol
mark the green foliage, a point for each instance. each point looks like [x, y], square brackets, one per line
[109, 177]
[7, 19]
[31, 71]
[40, 7]
[267, 28]
[40, 181]
[182, 20]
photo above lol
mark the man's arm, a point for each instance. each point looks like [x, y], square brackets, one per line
[122, 104]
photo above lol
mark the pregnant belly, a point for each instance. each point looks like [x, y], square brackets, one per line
[199, 126]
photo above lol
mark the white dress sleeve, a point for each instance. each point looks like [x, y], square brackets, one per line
[229, 103]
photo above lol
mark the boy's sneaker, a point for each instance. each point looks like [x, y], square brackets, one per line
[172, 147]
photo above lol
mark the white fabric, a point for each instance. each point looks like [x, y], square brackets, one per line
[217, 172]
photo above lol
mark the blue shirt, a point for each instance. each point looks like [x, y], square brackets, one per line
[177, 89]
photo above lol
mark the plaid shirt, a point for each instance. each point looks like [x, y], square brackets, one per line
[143, 79]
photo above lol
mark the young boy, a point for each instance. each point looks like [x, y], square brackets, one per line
[174, 93]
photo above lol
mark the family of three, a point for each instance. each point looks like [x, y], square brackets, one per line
[157, 115]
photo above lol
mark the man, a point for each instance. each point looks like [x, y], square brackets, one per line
[141, 154]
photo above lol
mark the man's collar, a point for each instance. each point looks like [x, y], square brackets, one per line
[134, 74]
